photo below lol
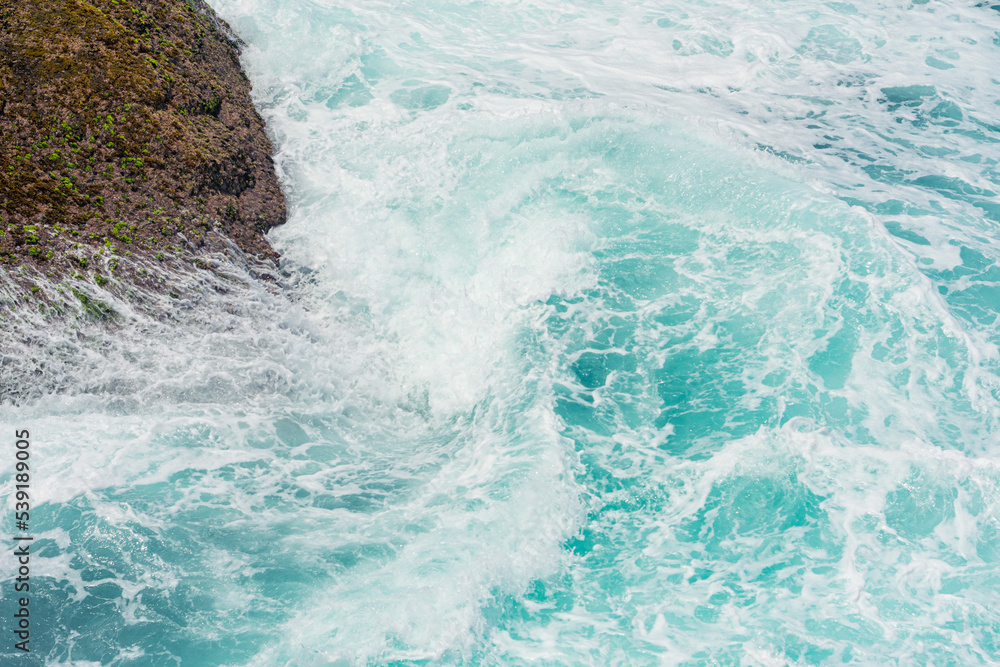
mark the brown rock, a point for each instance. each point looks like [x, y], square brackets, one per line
[126, 129]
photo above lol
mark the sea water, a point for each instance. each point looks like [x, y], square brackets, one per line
[611, 333]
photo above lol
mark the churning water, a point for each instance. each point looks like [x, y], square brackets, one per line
[625, 333]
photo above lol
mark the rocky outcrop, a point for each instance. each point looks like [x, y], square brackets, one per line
[126, 130]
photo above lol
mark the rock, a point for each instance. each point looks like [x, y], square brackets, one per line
[127, 130]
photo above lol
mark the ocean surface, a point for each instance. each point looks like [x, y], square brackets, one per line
[613, 333]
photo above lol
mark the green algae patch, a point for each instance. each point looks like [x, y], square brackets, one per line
[94, 308]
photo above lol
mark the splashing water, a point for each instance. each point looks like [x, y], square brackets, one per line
[614, 333]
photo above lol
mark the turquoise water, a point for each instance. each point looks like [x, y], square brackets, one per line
[614, 334]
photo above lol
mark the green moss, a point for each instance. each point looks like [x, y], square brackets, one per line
[118, 231]
[94, 307]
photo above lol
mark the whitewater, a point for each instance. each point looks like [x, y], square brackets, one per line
[607, 333]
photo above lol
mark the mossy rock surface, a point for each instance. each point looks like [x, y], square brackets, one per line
[126, 126]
